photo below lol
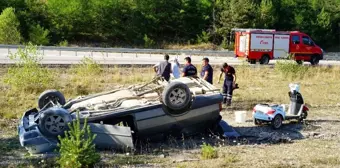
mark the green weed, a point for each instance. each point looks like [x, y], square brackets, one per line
[28, 74]
[85, 74]
[77, 148]
[291, 70]
[208, 152]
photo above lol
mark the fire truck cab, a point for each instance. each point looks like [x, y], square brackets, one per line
[264, 45]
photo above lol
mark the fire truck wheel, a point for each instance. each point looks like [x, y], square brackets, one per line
[252, 61]
[264, 59]
[314, 60]
[299, 62]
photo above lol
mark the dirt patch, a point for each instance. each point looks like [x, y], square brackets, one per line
[292, 146]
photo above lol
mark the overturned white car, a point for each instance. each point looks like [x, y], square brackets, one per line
[183, 106]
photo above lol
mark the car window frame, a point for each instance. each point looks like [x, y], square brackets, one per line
[294, 40]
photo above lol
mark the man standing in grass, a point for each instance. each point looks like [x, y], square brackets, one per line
[229, 82]
[163, 68]
[207, 71]
[189, 69]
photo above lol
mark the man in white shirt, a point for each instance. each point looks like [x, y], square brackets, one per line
[175, 67]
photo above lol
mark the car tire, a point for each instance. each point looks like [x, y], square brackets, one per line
[277, 121]
[176, 96]
[256, 121]
[300, 62]
[314, 60]
[264, 60]
[303, 116]
[48, 95]
[53, 122]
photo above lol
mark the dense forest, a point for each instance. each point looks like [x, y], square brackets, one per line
[153, 23]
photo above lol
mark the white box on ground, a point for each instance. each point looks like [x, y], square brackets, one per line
[240, 116]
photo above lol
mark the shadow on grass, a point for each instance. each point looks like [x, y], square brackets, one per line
[8, 145]
[12, 154]
[247, 105]
[324, 121]
[266, 134]
[250, 135]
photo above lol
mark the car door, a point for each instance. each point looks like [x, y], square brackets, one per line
[307, 45]
[295, 44]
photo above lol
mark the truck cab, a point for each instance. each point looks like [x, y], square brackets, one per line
[304, 49]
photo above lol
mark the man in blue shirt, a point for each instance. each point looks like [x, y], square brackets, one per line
[207, 71]
[229, 83]
[189, 69]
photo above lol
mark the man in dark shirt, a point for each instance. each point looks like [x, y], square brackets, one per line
[189, 69]
[163, 68]
[207, 71]
[229, 82]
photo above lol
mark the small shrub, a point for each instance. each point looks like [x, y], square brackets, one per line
[224, 44]
[77, 148]
[289, 69]
[87, 66]
[28, 74]
[85, 73]
[63, 43]
[148, 42]
[230, 159]
[208, 152]
[38, 35]
[203, 38]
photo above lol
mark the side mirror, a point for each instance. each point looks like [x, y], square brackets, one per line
[311, 43]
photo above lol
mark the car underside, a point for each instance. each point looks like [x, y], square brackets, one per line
[183, 106]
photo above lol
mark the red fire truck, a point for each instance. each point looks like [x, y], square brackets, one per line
[265, 44]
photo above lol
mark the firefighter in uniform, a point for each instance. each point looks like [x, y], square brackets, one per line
[229, 82]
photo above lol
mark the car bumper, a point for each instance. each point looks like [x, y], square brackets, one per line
[262, 116]
[31, 138]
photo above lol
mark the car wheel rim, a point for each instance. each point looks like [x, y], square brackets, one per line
[277, 122]
[55, 124]
[177, 96]
[54, 99]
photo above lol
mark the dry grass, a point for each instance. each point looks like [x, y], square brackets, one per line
[202, 46]
[304, 153]
[319, 86]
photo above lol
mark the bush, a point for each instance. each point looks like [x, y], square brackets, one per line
[28, 74]
[203, 38]
[88, 66]
[9, 27]
[148, 42]
[208, 152]
[38, 35]
[77, 148]
[63, 43]
[290, 69]
[85, 73]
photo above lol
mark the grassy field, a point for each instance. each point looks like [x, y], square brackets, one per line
[316, 147]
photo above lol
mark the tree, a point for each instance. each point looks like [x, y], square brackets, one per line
[323, 29]
[76, 148]
[38, 35]
[267, 16]
[236, 14]
[9, 24]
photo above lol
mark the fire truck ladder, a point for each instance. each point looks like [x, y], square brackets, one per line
[249, 29]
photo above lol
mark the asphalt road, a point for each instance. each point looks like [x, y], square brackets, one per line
[69, 57]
